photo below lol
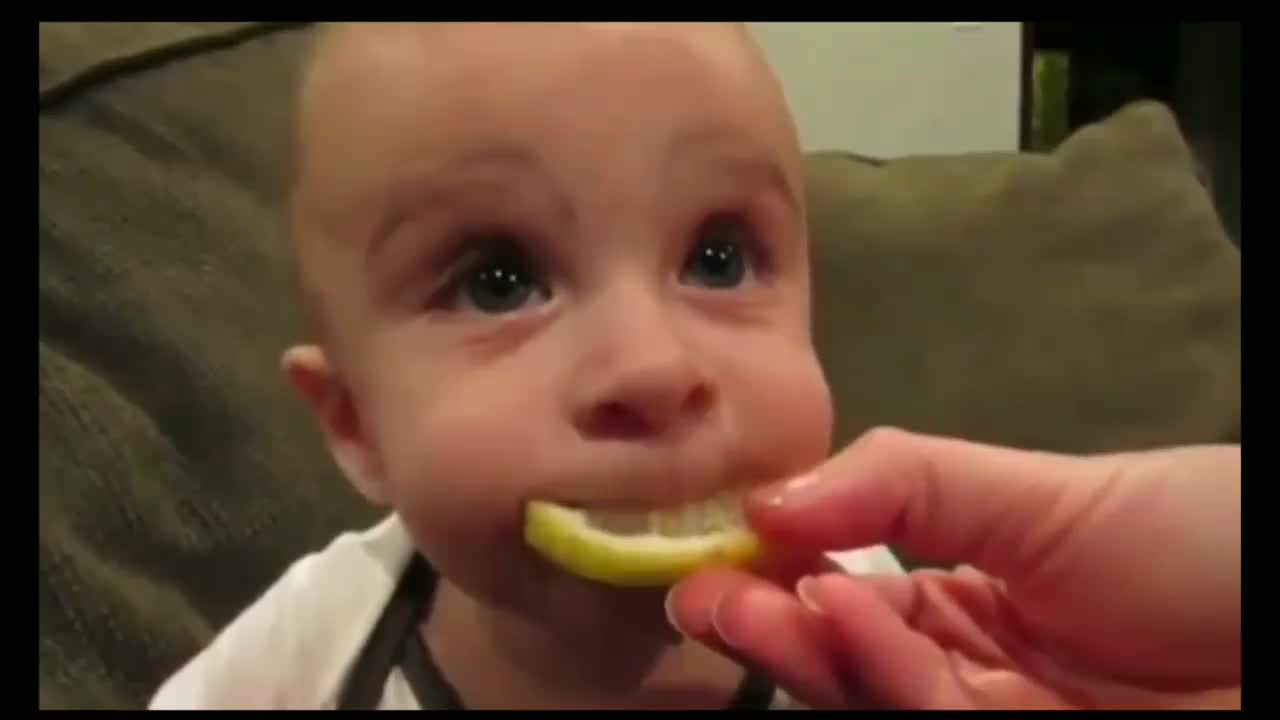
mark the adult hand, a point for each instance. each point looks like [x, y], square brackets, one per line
[1100, 582]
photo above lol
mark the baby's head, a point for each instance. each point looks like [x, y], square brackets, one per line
[550, 261]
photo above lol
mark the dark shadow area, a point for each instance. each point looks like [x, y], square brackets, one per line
[1194, 67]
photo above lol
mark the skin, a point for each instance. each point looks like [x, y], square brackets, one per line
[622, 383]
[1106, 582]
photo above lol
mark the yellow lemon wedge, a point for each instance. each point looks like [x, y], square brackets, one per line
[641, 549]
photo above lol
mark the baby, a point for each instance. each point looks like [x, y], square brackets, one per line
[544, 261]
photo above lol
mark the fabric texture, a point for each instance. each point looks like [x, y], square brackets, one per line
[1080, 301]
[177, 476]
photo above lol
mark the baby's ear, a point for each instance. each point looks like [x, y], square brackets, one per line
[310, 373]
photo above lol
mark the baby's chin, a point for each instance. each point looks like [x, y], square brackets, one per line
[569, 601]
[520, 584]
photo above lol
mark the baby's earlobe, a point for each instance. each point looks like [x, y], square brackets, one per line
[309, 373]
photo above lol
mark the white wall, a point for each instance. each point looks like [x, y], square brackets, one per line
[890, 89]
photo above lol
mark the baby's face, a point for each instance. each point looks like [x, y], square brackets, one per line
[559, 262]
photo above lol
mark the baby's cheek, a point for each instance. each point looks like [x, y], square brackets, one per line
[786, 413]
[457, 478]
[806, 403]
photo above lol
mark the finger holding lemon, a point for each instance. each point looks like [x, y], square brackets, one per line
[1082, 582]
[1039, 540]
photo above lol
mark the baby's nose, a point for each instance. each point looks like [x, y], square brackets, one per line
[644, 396]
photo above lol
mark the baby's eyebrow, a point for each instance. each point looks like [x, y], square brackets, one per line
[737, 155]
[422, 187]
[436, 184]
[764, 172]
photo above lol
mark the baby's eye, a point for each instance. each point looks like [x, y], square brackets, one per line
[502, 280]
[721, 253]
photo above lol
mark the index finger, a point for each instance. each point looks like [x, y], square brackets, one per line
[939, 499]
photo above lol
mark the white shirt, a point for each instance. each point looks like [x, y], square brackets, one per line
[294, 646]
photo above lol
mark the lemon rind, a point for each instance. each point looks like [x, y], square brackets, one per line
[564, 537]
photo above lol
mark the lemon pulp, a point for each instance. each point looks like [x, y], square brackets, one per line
[641, 549]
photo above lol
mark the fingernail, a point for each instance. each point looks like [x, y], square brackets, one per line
[720, 626]
[788, 491]
[805, 590]
[671, 615]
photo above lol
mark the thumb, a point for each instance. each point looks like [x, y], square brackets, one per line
[942, 500]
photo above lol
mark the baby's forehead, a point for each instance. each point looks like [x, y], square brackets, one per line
[383, 62]
[378, 93]
[346, 42]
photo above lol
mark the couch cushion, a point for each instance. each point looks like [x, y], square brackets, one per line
[177, 476]
[1084, 300]
[79, 55]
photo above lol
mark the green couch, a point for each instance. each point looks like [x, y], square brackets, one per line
[1083, 301]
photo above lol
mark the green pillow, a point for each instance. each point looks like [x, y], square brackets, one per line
[1085, 300]
[177, 475]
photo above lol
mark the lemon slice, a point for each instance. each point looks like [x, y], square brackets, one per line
[641, 549]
